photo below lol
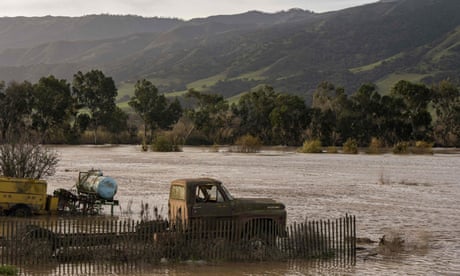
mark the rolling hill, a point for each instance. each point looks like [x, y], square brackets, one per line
[417, 40]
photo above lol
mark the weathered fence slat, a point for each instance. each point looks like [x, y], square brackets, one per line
[87, 243]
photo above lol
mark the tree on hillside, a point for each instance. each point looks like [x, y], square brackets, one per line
[53, 106]
[153, 108]
[95, 93]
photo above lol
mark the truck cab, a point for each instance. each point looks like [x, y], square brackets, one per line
[207, 198]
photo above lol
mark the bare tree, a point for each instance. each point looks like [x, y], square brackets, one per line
[27, 160]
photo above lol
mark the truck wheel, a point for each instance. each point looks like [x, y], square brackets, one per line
[36, 243]
[21, 211]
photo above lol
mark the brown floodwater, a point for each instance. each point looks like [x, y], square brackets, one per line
[413, 197]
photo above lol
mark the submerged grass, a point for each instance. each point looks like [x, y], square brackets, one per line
[8, 270]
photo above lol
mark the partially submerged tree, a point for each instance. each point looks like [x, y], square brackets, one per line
[416, 97]
[96, 93]
[153, 108]
[211, 115]
[16, 105]
[52, 107]
[446, 103]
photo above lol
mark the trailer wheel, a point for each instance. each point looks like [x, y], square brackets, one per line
[21, 211]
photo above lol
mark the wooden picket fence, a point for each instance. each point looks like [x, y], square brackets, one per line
[104, 241]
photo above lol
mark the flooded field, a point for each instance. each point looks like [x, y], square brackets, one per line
[414, 197]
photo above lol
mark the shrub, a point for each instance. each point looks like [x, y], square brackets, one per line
[8, 270]
[401, 148]
[164, 144]
[422, 147]
[375, 147]
[248, 144]
[350, 146]
[311, 146]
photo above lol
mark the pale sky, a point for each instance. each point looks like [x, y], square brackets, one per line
[165, 8]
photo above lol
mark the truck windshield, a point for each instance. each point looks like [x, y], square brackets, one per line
[226, 192]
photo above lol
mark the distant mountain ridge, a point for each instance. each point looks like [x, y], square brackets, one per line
[293, 51]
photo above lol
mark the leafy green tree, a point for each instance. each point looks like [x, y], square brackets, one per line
[254, 110]
[146, 101]
[52, 107]
[96, 94]
[211, 115]
[332, 105]
[393, 126]
[446, 102]
[153, 108]
[117, 120]
[416, 97]
[366, 114]
[289, 119]
[171, 115]
[16, 105]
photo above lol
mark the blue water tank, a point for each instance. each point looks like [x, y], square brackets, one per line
[103, 186]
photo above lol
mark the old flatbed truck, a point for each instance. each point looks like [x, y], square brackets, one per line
[208, 199]
[198, 208]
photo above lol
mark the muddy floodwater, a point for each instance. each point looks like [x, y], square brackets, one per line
[413, 197]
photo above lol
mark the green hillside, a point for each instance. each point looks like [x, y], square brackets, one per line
[417, 40]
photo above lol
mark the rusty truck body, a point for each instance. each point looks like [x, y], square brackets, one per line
[208, 199]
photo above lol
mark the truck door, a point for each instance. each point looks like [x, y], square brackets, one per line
[210, 202]
[177, 204]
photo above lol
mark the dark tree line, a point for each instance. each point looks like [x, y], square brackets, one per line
[409, 112]
[59, 112]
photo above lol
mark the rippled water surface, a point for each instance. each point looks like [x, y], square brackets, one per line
[414, 197]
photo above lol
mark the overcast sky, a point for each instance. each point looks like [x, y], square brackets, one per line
[165, 8]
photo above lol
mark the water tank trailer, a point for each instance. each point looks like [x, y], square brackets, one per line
[93, 182]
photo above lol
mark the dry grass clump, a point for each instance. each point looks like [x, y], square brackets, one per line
[422, 147]
[350, 146]
[247, 144]
[375, 147]
[311, 146]
[165, 144]
[401, 148]
[391, 244]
